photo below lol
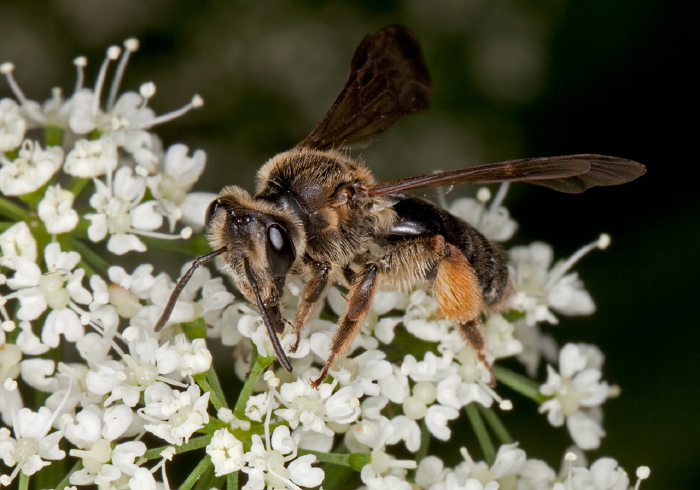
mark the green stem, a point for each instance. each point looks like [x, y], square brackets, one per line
[194, 246]
[332, 458]
[260, 365]
[424, 442]
[191, 445]
[215, 385]
[522, 384]
[337, 477]
[90, 258]
[13, 211]
[77, 184]
[232, 481]
[196, 329]
[66, 479]
[353, 460]
[482, 434]
[215, 397]
[208, 480]
[495, 423]
[53, 135]
[197, 472]
[23, 482]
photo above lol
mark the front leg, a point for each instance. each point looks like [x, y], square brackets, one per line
[312, 293]
[359, 302]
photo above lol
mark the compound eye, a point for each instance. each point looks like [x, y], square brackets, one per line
[280, 250]
[211, 211]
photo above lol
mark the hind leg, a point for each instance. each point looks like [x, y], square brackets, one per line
[460, 299]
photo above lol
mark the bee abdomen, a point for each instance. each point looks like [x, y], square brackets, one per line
[419, 218]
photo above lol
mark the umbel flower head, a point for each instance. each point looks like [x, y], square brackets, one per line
[84, 173]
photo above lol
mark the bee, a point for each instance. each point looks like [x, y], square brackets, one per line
[319, 214]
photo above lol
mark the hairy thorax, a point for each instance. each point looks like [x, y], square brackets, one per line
[328, 191]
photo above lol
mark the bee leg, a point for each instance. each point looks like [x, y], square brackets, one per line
[359, 303]
[312, 293]
[460, 298]
[473, 332]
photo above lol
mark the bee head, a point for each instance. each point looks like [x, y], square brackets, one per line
[262, 243]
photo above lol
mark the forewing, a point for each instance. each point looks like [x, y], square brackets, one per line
[388, 79]
[571, 174]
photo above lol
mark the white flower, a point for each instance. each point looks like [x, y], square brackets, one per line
[10, 398]
[477, 475]
[121, 214]
[313, 408]
[179, 173]
[12, 125]
[140, 283]
[362, 371]
[56, 210]
[94, 434]
[421, 318]
[69, 383]
[194, 208]
[194, 356]
[373, 481]
[385, 472]
[430, 471]
[604, 474]
[38, 373]
[32, 168]
[91, 158]
[146, 363]
[575, 391]
[28, 341]
[536, 346]
[539, 287]
[17, 241]
[500, 335]
[143, 479]
[59, 289]
[202, 295]
[226, 452]
[376, 431]
[469, 484]
[395, 386]
[33, 446]
[93, 424]
[174, 415]
[436, 419]
[494, 221]
[251, 325]
[416, 405]
[265, 463]
[534, 475]
[430, 368]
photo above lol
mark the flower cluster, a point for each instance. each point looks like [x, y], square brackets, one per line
[86, 173]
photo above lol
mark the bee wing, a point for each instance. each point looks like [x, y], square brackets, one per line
[388, 79]
[571, 174]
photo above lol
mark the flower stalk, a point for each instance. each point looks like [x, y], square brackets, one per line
[482, 434]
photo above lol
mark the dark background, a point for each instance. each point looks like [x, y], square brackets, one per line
[512, 79]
